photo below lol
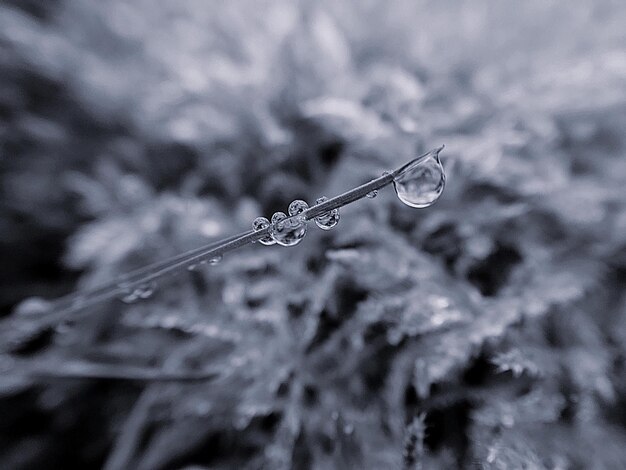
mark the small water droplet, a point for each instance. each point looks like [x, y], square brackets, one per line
[278, 217]
[216, 260]
[130, 298]
[127, 293]
[192, 267]
[422, 182]
[261, 223]
[297, 207]
[146, 290]
[133, 294]
[327, 220]
[287, 231]
[372, 194]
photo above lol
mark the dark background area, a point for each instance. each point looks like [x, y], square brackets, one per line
[487, 331]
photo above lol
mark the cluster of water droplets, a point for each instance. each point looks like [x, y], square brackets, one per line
[421, 183]
[329, 219]
[210, 261]
[131, 294]
[289, 230]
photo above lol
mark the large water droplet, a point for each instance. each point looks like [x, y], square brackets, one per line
[327, 220]
[372, 194]
[287, 231]
[297, 207]
[261, 223]
[421, 183]
[133, 294]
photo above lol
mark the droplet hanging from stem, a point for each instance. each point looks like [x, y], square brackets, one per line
[421, 182]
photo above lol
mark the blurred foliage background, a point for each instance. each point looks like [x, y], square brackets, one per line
[488, 331]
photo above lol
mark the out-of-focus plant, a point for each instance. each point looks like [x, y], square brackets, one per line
[491, 329]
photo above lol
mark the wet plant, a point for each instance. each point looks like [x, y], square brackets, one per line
[418, 184]
[487, 331]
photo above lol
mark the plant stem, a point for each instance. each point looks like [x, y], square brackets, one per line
[80, 300]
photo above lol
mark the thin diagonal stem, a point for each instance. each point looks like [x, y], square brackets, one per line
[126, 283]
[88, 297]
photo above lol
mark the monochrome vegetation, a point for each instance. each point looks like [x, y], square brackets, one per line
[485, 331]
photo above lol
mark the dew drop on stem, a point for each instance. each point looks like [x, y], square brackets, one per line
[329, 219]
[215, 260]
[372, 194]
[261, 223]
[287, 231]
[421, 184]
[297, 207]
[136, 293]
[146, 290]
